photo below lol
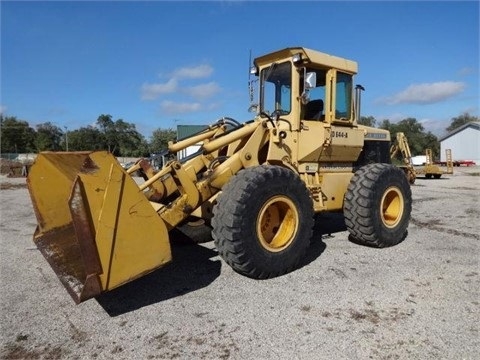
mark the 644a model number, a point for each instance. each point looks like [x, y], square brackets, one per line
[339, 134]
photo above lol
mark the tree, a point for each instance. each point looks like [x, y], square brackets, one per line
[16, 135]
[418, 139]
[367, 121]
[430, 141]
[385, 124]
[48, 137]
[160, 139]
[460, 120]
[129, 141]
[120, 137]
[107, 129]
[85, 138]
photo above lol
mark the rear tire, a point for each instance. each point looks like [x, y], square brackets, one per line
[263, 221]
[378, 204]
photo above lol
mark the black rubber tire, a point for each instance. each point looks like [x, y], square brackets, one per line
[258, 199]
[377, 206]
[428, 176]
[437, 176]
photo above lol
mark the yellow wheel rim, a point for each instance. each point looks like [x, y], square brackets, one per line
[277, 223]
[391, 207]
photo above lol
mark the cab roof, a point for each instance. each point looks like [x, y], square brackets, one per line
[309, 56]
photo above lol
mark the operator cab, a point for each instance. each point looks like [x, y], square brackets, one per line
[302, 84]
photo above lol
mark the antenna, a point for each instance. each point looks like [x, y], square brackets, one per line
[250, 85]
[249, 64]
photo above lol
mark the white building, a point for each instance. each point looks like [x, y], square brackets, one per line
[464, 143]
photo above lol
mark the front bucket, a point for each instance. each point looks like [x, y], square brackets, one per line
[96, 228]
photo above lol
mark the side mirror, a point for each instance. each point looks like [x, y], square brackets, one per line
[309, 83]
[310, 80]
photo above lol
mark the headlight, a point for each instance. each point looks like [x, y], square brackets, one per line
[297, 58]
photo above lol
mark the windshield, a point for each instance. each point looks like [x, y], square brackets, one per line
[276, 91]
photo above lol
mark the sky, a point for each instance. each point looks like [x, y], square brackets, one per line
[159, 64]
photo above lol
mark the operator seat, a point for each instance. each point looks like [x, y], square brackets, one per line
[314, 110]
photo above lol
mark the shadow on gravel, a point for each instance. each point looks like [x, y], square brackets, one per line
[325, 225]
[329, 223]
[192, 268]
[427, 179]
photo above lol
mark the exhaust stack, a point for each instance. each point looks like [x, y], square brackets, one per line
[358, 98]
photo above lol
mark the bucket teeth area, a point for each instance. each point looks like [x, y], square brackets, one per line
[96, 227]
[62, 251]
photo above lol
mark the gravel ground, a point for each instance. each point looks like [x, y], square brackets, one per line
[417, 300]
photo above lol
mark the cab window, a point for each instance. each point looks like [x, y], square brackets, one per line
[318, 92]
[313, 107]
[276, 91]
[343, 103]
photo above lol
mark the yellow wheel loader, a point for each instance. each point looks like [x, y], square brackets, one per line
[258, 184]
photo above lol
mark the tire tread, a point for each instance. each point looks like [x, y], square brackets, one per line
[361, 200]
[229, 220]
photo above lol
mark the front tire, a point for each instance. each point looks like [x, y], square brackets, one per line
[378, 204]
[263, 221]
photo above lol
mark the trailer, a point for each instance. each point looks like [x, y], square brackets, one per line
[457, 163]
[430, 169]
